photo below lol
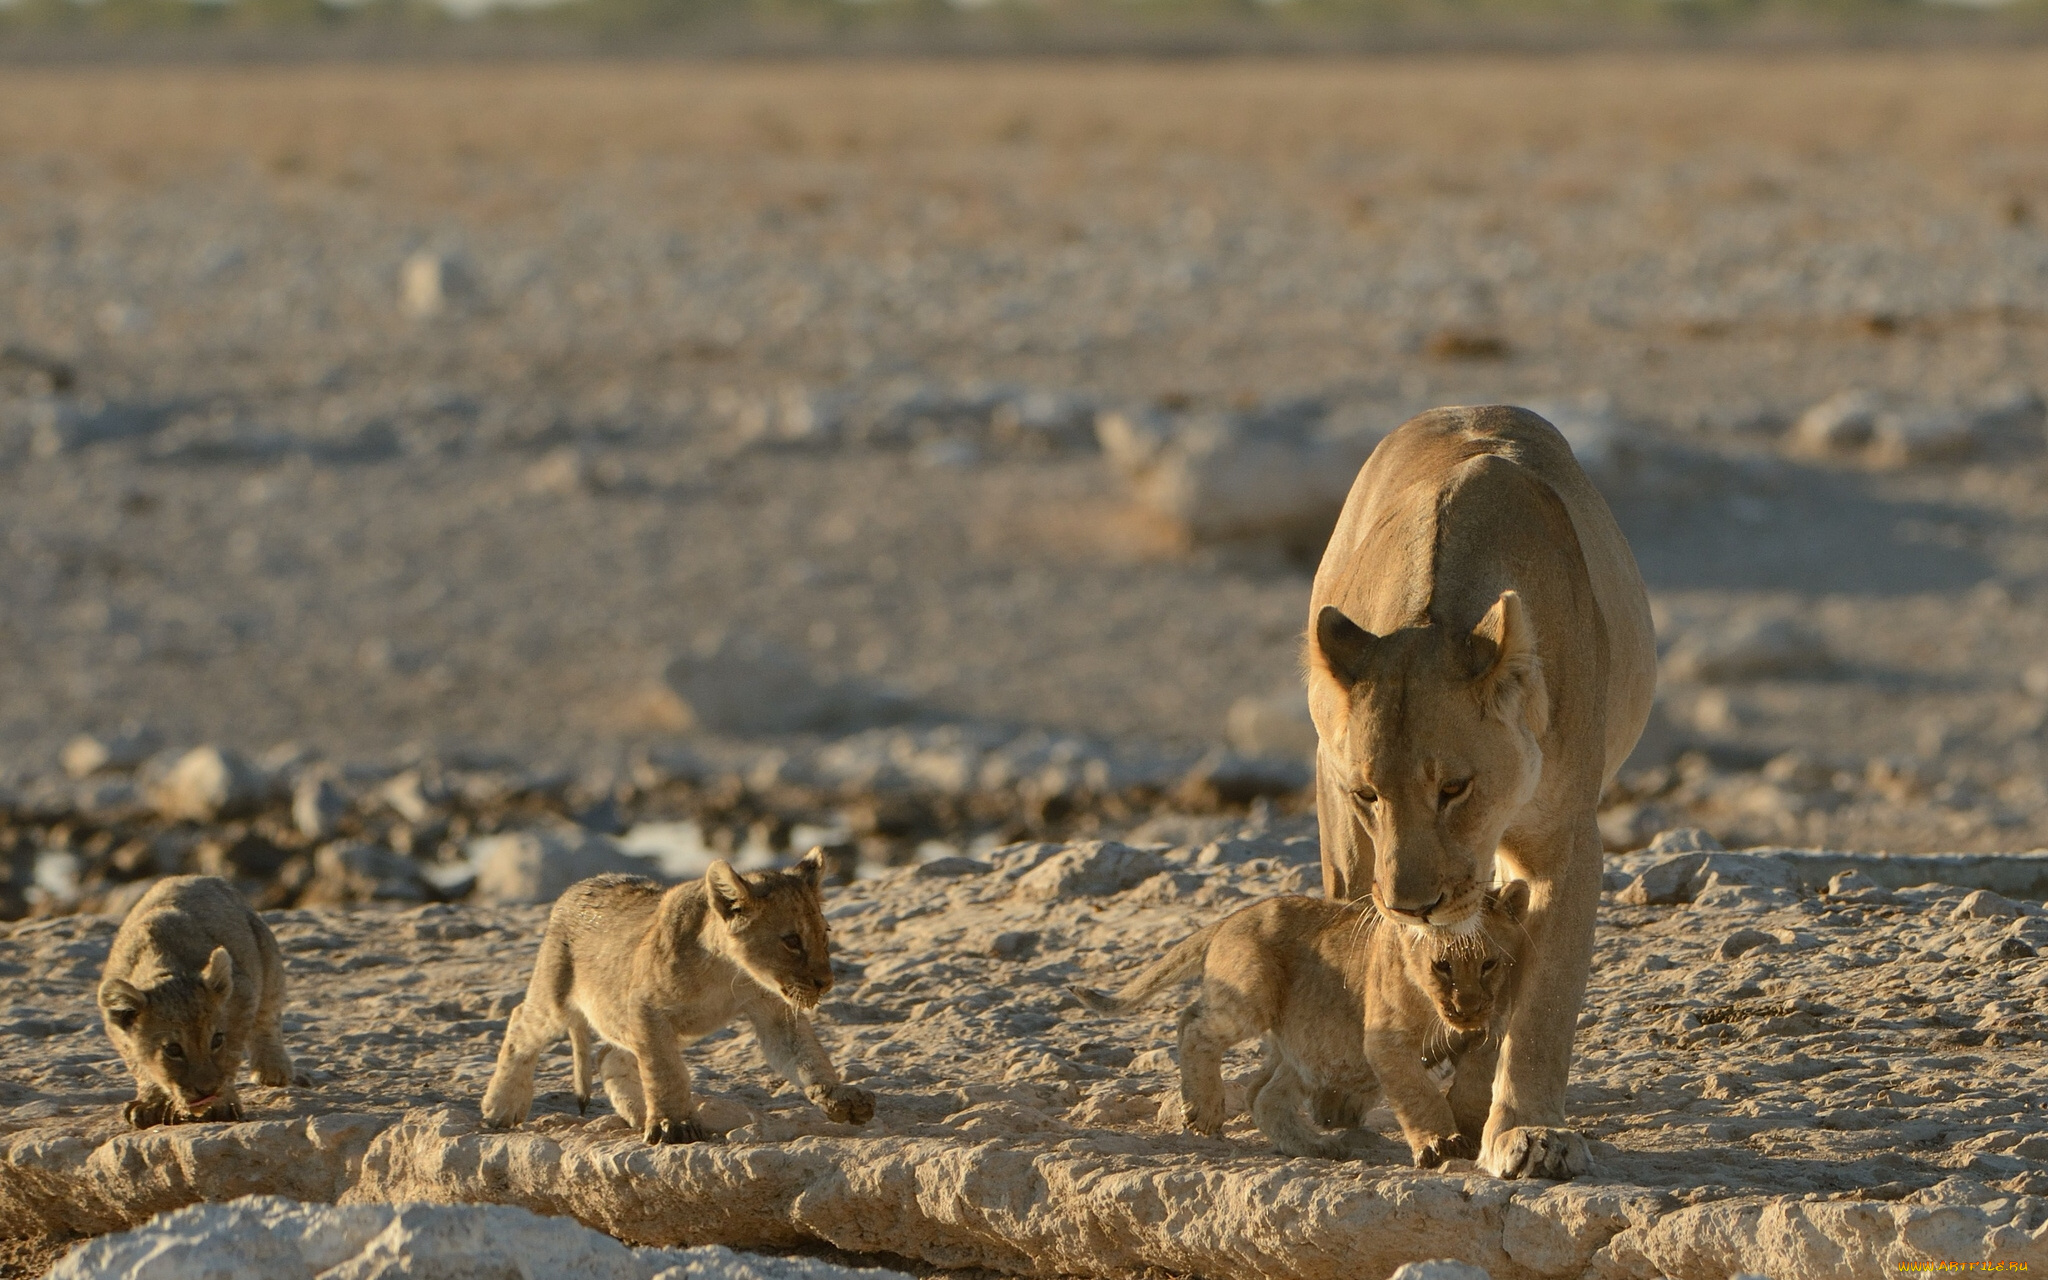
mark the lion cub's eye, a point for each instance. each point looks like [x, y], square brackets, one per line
[174, 1051]
[794, 941]
[219, 1038]
[1443, 967]
[1366, 796]
[1489, 966]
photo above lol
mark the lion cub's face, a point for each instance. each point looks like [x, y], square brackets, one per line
[1434, 736]
[1464, 975]
[174, 1035]
[776, 924]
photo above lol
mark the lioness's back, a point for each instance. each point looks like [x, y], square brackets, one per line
[1390, 562]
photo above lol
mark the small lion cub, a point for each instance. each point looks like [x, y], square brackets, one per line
[1350, 1004]
[194, 981]
[643, 969]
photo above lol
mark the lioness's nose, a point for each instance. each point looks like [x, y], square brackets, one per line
[1421, 912]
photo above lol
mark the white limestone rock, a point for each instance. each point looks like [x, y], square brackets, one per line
[271, 1238]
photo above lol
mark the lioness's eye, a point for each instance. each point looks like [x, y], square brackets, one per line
[174, 1051]
[1366, 795]
[219, 1038]
[1450, 791]
[794, 941]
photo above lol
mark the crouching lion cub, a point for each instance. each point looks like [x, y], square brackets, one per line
[644, 969]
[194, 981]
[1349, 1003]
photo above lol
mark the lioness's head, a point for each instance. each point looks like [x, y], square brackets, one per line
[1434, 735]
[776, 923]
[175, 1033]
[1464, 973]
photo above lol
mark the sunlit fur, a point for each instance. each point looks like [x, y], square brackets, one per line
[193, 984]
[1348, 1001]
[644, 968]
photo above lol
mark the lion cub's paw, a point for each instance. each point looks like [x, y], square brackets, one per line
[144, 1113]
[676, 1132]
[1533, 1151]
[1450, 1146]
[844, 1103]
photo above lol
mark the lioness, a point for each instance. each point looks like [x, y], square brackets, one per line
[1480, 662]
[1347, 1003]
[193, 982]
[645, 968]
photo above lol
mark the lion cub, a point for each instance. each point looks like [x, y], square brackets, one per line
[644, 969]
[1349, 1003]
[194, 981]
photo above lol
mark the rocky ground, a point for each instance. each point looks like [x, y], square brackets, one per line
[1795, 1078]
[421, 486]
[349, 408]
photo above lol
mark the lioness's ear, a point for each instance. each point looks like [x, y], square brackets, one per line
[1505, 664]
[1342, 646]
[1511, 899]
[122, 1002]
[728, 894]
[219, 974]
[811, 867]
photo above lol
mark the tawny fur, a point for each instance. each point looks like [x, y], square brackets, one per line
[1480, 662]
[1349, 1004]
[193, 984]
[643, 969]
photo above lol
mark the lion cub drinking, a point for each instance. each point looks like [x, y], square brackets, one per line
[644, 969]
[1348, 1002]
[193, 982]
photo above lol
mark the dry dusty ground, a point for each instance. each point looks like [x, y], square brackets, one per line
[809, 356]
[1861, 1088]
[276, 505]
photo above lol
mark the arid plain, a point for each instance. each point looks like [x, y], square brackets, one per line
[924, 456]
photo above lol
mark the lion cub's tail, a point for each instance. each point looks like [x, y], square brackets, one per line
[1181, 962]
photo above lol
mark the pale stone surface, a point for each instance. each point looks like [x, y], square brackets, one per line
[270, 1238]
[1840, 1101]
[207, 783]
[535, 866]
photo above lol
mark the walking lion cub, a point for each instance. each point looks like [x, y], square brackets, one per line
[193, 982]
[644, 968]
[1349, 1003]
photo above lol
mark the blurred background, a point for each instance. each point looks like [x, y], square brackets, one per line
[418, 425]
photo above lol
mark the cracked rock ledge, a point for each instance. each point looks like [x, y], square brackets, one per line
[1857, 1089]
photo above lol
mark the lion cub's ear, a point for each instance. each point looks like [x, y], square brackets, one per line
[1511, 899]
[122, 1002]
[219, 974]
[811, 867]
[1342, 647]
[1505, 664]
[729, 895]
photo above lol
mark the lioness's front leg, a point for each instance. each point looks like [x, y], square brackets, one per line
[792, 1050]
[1525, 1133]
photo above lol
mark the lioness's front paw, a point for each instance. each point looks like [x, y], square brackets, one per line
[845, 1103]
[1534, 1151]
[1450, 1146]
[676, 1132]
